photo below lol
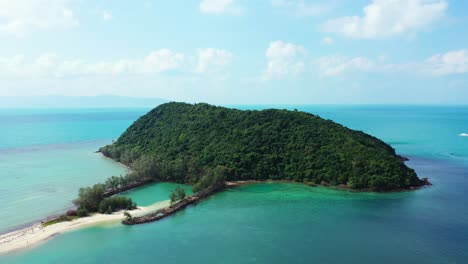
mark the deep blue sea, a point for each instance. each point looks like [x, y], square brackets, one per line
[45, 155]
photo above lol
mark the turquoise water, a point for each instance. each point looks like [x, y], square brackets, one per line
[46, 155]
[293, 223]
[42, 181]
[32, 127]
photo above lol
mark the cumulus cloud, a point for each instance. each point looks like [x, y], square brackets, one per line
[209, 61]
[386, 18]
[218, 7]
[453, 62]
[284, 59]
[51, 65]
[20, 16]
[212, 60]
[449, 63]
[302, 7]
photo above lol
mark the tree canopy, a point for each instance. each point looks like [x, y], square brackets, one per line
[177, 194]
[183, 142]
[93, 199]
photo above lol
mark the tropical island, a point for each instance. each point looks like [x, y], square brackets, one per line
[212, 147]
[208, 146]
[182, 143]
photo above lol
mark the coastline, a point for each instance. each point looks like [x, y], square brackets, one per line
[341, 187]
[33, 235]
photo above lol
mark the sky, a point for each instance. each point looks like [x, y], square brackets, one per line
[238, 51]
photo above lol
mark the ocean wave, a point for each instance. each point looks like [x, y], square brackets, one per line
[463, 135]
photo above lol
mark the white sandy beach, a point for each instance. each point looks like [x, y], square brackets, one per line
[33, 235]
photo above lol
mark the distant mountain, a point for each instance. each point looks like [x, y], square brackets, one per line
[58, 101]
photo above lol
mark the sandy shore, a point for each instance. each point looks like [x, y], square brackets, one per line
[31, 236]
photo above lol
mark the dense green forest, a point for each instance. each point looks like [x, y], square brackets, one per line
[182, 142]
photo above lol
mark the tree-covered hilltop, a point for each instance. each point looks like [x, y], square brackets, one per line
[183, 142]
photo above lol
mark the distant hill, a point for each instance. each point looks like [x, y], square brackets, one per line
[259, 145]
[77, 101]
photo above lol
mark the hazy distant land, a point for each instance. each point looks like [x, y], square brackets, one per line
[59, 101]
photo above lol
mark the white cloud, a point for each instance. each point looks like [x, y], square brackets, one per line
[327, 41]
[302, 7]
[218, 7]
[386, 18]
[284, 59]
[453, 62]
[158, 61]
[213, 60]
[51, 65]
[450, 63]
[106, 15]
[336, 65]
[12, 65]
[20, 16]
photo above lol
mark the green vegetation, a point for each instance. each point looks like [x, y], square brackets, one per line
[82, 212]
[93, 199]
[177, 194]
[62, 218]
[187, 143]
[116, 203]
[214, 178]
[96, 198]
[89, 198]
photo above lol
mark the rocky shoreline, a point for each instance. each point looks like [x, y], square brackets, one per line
[424, 183]
[172, 209]
[128, 187]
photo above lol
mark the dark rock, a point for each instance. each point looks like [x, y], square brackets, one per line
[172, 209]
[425, 181]
[128, 187]
[71, 212]
[402, 158]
